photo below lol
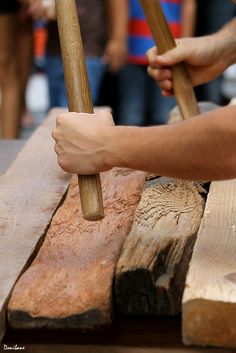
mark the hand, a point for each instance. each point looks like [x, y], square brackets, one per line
[115, 54]
[205, 57]
[40, 10]
[82, 142]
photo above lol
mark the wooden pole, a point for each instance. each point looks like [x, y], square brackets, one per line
[79, 96]
[164, 40]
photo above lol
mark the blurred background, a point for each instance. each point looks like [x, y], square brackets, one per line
[116, 37]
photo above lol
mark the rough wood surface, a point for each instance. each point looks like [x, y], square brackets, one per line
[30, 191]
[209, 302]
[69, 284]
[151, 271]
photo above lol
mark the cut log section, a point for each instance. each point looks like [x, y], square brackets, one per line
[69, 284]
[209, 302]
[151, 271]
[30, 192]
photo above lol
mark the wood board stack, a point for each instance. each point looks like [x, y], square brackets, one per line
[70, 282]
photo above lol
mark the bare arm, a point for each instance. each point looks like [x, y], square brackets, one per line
[188, 18]
[203, 147]
[116, 51]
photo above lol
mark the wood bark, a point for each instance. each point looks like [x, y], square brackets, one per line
[151, 271]
[209, 302]
[30, 192]
[69, 284]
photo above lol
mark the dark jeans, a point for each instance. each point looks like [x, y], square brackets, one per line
[140, 101]
[55, 73]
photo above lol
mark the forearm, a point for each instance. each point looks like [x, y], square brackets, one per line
[188, 18]
[118, 19]
[202, 148]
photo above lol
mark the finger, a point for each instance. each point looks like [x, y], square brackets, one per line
[173, 56]
[151, 55]
[160, 75]
[61, 118]
[55, 134]
[57, 148]
[167, 93]
[166, 85]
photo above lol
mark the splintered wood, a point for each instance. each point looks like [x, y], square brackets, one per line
[69, 284]
[151, 271]
[209, 302]
[30, 192]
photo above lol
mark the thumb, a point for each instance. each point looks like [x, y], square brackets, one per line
[173, 56]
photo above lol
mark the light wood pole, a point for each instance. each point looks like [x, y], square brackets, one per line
[79, 96]
[164, 40]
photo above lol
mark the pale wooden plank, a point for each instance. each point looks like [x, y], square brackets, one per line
[151, 271]
[30, 191]
[69, 284]
[209, 302]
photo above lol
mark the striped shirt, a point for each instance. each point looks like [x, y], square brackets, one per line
[140, 38]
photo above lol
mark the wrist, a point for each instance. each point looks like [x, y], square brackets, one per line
[122, 146]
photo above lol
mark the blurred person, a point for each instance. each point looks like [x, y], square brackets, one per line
[16, 45]
[25, 43]
[212, 15]
[9, 71]
[140, 99]
[104, 39]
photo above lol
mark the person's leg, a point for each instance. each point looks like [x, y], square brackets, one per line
[158, 105]
[25, 57]
[56, 83]
[132, 92]
[96, 70]
[9, 77]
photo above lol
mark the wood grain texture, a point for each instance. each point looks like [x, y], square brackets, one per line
[30, 191]
[79, 96]
[164, 40]
[209, 302]
[69, 284]
[151, 271]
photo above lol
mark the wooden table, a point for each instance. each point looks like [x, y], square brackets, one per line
[127, 335]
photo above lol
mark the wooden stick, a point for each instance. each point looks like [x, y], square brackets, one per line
[163, 37]
[79, 97]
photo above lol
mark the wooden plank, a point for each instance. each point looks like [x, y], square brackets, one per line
[209, 302]
[69, 284]
[30, 191]
[9, 149]
[151, 271]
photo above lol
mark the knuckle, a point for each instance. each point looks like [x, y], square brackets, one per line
[60, 119]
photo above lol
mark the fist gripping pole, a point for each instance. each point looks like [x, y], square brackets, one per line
[79, 96]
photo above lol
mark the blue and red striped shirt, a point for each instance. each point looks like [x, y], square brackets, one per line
[140, 38]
